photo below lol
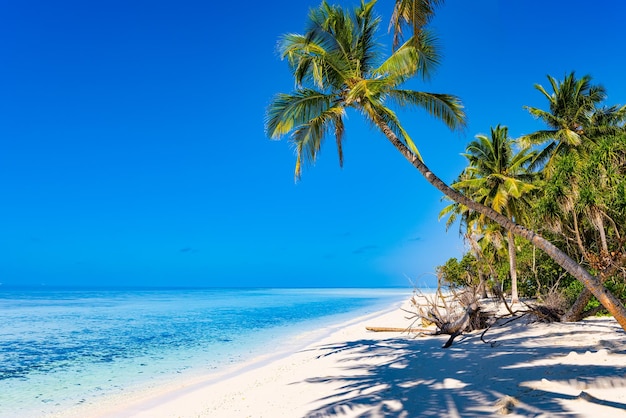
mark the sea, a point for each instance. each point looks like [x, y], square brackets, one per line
[66, 347]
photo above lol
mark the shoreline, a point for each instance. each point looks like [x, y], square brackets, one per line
[149, 399]
[558, 369]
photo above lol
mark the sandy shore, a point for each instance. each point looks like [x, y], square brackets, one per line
[538, 370]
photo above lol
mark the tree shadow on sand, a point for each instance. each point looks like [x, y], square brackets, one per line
[516, 374]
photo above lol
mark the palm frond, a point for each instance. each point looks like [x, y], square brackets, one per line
[499, 201]
[428, 56]
[288, 111]
[401, 64]
[308, 137]
[549, 119]
[365, 40]
[538, 137]
[568, 137]
[339, 134]
[414, 14]
[471, 184]
[445, 107]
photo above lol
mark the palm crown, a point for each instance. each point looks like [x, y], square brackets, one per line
[337, 65]
[572, 106]
[497, 176]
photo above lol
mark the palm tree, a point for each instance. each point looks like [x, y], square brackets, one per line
[335, 66]
[572, 105]
[498, 177]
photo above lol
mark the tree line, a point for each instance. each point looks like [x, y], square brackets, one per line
[567, 181]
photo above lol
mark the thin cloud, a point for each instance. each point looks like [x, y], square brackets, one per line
[365, 249]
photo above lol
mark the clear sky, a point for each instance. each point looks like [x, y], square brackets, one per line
[133, 150]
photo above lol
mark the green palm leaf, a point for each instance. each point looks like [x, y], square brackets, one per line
[288, 111]
[444, 107]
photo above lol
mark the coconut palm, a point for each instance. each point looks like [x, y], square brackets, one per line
[471, 230]
[572, 105]
[337, 67]
[498, 177]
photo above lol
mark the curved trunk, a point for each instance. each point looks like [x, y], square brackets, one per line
[577, 311]
[512, 267]
[482, 283]
[607, 299]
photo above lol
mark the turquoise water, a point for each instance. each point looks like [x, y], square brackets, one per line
[66, 347]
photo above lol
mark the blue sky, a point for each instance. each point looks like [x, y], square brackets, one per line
[133, 150]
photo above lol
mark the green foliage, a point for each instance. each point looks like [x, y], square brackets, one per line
[459, 273]
[337, 65]
[578, 202]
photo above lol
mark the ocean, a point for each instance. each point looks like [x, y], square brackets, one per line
[60, 348]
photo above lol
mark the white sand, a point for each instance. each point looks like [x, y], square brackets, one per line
[538, 370]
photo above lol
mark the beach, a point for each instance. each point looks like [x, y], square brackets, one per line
[77, 351]
[522, 369]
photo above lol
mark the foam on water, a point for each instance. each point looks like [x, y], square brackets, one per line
[61, 348]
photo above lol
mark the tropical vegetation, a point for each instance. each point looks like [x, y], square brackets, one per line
[498, 177]
[337, 67]
[578, 199]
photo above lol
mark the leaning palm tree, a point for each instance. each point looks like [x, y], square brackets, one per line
[498, 177]
[337, 67]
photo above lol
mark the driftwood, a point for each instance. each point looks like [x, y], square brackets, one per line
[452, 313]
[392, 329]
[460, 311]
[455, 328]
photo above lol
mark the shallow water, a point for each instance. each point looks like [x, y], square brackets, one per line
[61, 348]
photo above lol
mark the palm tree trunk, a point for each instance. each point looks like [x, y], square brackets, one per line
[482, 283]
[512, 267]
[577, 311]
[535, 273]
[606, 298]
